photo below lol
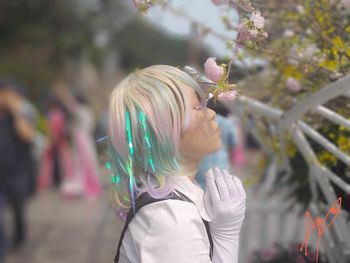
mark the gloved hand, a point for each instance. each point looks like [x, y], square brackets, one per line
[224, 201]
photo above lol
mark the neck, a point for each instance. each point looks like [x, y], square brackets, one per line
[189, 168]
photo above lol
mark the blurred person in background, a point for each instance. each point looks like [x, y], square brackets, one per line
[16, 160]
[238, 156]
[57, 156]
[85, 177]
[223, 157]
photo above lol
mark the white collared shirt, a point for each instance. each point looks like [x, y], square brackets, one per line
[169, 231]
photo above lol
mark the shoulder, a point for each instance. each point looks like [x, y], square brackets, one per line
[167, 214]
[168, 219]
[170, 229]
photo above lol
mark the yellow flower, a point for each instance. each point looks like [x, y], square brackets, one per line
[291, 151]
[327, 158]
[338, 43]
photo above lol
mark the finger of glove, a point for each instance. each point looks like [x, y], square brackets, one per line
[240, 187]
[231, 186]
[211, 186]
[221, 184]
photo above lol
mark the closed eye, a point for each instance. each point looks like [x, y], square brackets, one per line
[201, 103]
[198, 107]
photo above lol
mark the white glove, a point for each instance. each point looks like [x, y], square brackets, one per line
[224, 201]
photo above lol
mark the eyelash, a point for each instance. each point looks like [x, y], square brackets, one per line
[201, 107]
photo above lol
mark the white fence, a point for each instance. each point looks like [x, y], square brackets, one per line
[336, 241]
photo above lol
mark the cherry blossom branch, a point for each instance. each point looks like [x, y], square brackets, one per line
[268, 52]
[225, 39]
[233, 3]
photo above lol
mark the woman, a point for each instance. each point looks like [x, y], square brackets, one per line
[159, 129]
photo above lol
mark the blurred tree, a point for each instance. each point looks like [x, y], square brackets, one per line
[141, 45]
[37, 36]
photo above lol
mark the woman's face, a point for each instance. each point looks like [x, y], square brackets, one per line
[202, 137]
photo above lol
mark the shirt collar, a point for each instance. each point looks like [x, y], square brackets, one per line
[194, 192]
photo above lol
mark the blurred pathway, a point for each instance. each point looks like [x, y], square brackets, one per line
[73, 231]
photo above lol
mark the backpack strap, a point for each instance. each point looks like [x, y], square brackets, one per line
[145, 199]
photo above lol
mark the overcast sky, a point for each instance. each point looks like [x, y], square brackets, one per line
[201, 10]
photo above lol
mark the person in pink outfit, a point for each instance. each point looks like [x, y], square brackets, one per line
[82, 177]
[85, 179]
[57, 156]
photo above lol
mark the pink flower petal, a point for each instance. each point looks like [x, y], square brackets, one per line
[138, 3]
[258, 20]
[243, 33]
[228, 95]
[212, 70]
[293, 84]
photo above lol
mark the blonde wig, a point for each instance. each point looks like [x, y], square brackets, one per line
[148, 111]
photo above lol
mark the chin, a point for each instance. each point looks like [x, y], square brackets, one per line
[218, 146]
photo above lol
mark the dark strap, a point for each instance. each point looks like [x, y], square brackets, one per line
[206, 224]
[145, 199]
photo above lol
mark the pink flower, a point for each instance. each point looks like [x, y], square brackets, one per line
[254, 33]
[212, 70]
[346, 3]
[220, 2]
[264, 35]
[261, 36]
[228, 95]
[243, 33]
[293, 84]
[139, 3]
[258, 20]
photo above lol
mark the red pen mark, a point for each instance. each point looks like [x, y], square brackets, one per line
[320, 225]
